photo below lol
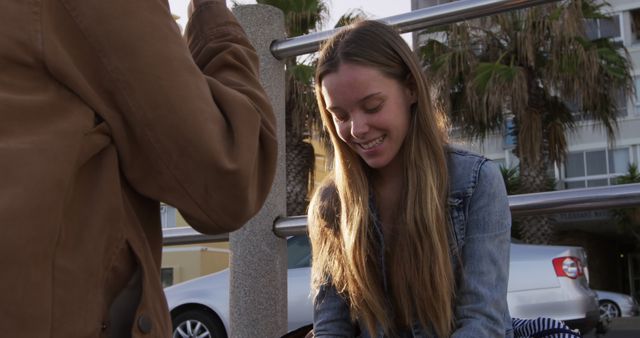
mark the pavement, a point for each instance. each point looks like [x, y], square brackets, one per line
[626, 327]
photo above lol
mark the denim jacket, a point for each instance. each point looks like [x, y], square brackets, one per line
[479, 247]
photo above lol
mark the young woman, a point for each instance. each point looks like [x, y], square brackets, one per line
[410, 235]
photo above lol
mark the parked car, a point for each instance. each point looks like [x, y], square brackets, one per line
[552, 281]
[549, 281]
[613, 304]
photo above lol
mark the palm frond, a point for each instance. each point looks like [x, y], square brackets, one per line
[352, 16]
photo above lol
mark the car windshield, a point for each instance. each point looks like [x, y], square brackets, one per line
[298, 252]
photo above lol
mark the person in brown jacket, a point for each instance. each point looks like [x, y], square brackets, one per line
[105, 110]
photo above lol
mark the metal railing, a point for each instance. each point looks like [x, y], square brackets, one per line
[409, 22]
[617, 196]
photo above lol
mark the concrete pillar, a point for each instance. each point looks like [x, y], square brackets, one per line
[258, 299]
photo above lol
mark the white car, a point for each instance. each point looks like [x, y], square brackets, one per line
[613, 304]
[549, 281]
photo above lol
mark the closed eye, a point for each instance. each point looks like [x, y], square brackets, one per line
[373, 103]
[375, 109]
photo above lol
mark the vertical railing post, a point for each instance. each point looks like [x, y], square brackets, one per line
[258, 299]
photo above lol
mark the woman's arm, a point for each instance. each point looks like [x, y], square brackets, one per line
[481, 294]
[190, 121]
[331, 316]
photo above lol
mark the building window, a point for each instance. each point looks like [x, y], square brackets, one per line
[604, 28]
[637, 100]
[429, 3]
[635, 25]
[166, 275]
[621, 104]
[595, 168]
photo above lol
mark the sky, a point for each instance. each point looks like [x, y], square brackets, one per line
[375, 9]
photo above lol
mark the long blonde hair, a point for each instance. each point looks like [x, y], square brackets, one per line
[421, 283]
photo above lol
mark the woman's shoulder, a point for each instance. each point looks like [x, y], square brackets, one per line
[459, 155]
[466, 168]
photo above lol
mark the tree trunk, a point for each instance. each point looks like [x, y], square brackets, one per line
[534, 229]
[300, 156]
[533, 169]
[300, 165]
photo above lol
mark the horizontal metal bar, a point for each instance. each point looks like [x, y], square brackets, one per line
[408, 22]
[570, 200]
[187, 235]
[291, 226]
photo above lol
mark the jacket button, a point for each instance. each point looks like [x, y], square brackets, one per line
[144, 324]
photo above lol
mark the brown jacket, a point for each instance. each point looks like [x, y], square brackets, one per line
[103, 113]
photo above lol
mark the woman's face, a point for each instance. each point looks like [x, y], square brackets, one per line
[370, 111]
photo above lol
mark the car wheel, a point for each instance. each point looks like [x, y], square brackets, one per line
[608, 309]
[200, 324]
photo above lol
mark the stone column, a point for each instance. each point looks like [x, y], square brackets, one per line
[258, 299]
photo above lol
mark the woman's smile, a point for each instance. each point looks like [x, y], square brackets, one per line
[371, 144]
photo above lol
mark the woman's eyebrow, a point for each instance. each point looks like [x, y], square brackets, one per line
[369, 96]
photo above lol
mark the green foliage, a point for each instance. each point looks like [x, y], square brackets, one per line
[513, 183]
[511, 179]
[632, 175]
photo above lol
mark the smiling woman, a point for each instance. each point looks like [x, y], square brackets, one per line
[385, 253]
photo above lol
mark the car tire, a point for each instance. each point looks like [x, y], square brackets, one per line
[609, 310]
[197, 323]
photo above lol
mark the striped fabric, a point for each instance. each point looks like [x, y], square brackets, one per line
[542, 328]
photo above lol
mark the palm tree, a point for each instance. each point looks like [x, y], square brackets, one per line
[528, 65]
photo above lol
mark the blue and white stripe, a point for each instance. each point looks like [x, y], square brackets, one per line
[542, 328]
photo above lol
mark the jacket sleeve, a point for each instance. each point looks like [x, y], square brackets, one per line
[481, 294]
[190, 121]
[331, 316]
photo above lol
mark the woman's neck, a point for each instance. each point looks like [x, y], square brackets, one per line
[388, 195]
[387, 181]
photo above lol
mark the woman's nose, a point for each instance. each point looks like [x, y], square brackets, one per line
[359, 126]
